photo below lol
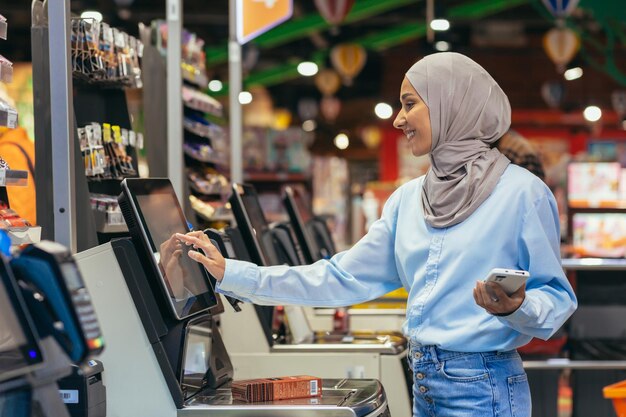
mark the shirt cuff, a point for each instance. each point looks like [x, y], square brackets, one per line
[521, 316]
[240, 278]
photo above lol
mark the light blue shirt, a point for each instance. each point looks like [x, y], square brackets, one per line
[517, 227]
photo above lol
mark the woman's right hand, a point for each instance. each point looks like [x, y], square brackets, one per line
[212, 259]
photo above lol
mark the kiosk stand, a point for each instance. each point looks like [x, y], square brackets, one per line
[164, 362]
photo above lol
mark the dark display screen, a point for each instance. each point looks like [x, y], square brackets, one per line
[253, 219]
[299, 216]
[186, 281]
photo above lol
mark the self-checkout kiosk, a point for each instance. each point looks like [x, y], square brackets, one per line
[48, 331]
[165, 355]
[315, 239]
[358, 354]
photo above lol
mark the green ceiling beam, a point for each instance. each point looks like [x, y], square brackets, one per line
[381, 41]
[483, 8]
[300, 28]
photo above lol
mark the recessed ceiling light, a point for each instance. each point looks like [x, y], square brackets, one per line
[442, 46]
[307, 68]
[215, 85]
[245, 97]
[342, 141]
[383, 110]
[573, 73]
[91, 14]
[592, 113]
[439, 24]
[309, 125]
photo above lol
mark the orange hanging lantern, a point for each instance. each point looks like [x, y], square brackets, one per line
[327, 81]
[561, 44]
[348, 59]
[330, 107]
[334, 11]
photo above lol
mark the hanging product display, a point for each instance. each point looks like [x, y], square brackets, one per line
[102, 54]
[8, 114]
[327, 81]
[104, 150]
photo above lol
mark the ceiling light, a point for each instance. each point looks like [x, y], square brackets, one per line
[442, 46]
[439, 24]
[215, 85]
[245, 97]
[383, 111]
[342, 141]
[592, 113]
[307, 68]
[91, 14]
[573, 73]
[309, 125]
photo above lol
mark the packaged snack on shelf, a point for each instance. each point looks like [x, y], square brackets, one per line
[3, 27]
[8, 115]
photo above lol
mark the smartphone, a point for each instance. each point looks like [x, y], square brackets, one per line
[509, 279]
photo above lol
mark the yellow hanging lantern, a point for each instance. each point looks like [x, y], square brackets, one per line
[282, 119]
[371, 136]
[327, 81]
[348, 59]
[561, 44]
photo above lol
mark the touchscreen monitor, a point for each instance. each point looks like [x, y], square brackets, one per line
[300, 216]
[19, 351]
[253, 225]
[154, 216]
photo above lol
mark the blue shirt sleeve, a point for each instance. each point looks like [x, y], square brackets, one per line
[550, 299]
[364, 272]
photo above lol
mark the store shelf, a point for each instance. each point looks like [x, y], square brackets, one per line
[275, 177]
[25, 235]
[12, 177]
[103, 226]
[563, 363]
[594, 264]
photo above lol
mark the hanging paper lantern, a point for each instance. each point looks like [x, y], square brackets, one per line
[327, 81]
[371, 136]
[282, 119]
[334, 11]
[553, 93]
[561, 44]
[348, 59]
[618, 100]
[307, 109]
[560, 8]
[330, 107]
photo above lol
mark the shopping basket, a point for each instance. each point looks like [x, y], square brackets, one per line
[617, 392]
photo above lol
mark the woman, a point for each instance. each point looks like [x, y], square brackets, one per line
[439, 236]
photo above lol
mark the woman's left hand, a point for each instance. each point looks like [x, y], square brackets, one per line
[491, 297]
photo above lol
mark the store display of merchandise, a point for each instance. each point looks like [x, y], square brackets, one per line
[104, 150]
[202, 152]
[6, 70]
[192, 53]
[199, 126]
[10, 219]
[3, 27]
[208, 181]
[8, 114]
[108, 205]
[101, 54]
[202, 102]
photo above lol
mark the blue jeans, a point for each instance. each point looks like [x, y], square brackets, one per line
[457, 384]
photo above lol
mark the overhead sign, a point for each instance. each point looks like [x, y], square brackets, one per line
[255, 17]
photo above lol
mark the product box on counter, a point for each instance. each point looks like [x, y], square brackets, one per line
[279, 388]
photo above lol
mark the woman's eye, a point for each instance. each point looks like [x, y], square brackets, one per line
[409, 105]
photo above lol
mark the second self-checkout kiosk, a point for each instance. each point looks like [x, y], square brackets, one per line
[165, 355]
[248, 335]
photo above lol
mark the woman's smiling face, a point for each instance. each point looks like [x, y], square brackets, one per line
[414, 120]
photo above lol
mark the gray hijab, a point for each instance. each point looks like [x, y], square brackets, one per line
[468, 112]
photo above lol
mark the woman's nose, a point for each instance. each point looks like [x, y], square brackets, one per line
[399, 120]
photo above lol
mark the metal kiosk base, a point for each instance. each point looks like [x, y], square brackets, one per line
[136, 385]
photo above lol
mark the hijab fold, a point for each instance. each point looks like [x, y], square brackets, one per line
[468, 112]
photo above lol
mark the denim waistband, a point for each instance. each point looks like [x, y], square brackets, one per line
[432, 353]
